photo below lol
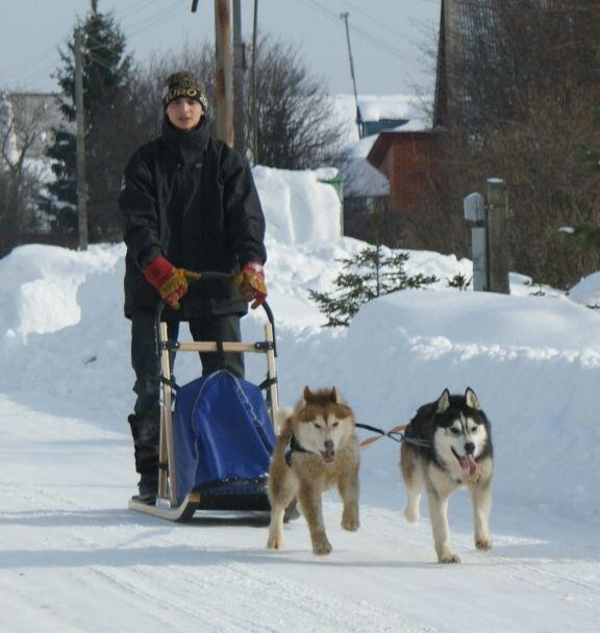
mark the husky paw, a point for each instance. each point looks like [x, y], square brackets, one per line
[275, 542]
[448, 557]
[350, 520]
[351, 524]
[321, 545]
[411, 514]
[484, 544]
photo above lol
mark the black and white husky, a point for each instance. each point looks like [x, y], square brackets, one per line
[447, 445]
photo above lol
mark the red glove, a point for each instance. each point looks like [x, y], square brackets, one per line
[251, 281]
[171, 282]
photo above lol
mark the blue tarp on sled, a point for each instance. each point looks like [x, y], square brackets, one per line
[221, 432]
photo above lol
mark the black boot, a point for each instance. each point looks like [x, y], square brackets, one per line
[148, 489]
[145, 430]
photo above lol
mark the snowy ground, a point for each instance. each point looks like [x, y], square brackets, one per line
[73, 559]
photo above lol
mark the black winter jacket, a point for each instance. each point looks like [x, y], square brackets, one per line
[192, 199]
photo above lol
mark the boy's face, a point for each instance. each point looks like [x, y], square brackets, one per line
[184, 113]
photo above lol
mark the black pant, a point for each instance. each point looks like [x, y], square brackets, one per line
[145, 359]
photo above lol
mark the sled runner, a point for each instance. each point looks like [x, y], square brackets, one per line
[216, 432]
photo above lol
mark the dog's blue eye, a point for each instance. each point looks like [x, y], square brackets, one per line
[454, 431]
[317, 425]
[335, 424]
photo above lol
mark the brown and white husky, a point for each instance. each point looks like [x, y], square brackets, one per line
[316, 448]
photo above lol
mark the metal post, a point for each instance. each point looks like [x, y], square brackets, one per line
[475, 212]
[223, 71]
[82, 219]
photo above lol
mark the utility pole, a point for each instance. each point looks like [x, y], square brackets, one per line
[82, 219]
[453, 52]
[498, 220]
[253, 82]
[239, 67]
[223, 71]
[359, 121]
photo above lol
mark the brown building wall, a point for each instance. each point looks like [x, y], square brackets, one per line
[408, 161]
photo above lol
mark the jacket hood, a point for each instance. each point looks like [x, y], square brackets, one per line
[185, 144]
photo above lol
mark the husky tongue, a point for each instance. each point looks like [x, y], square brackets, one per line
[469, 465]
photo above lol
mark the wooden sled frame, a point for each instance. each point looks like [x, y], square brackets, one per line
[166, 504]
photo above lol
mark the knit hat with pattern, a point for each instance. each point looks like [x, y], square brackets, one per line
[184, 84]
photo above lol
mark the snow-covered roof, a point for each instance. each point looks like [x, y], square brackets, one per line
[360, 177]
[410, 108]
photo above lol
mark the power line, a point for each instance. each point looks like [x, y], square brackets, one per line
[360, 31]
[370, 17]
[133, 9]
[151, 21]
[158, 19]
[316, 6]
[377, 41]
[42, 64]
[38, 66]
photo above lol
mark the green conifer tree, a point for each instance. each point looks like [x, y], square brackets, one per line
[106, 74]
[369, 275]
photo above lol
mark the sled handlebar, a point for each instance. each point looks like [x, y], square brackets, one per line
[218, 276]
[223, 277]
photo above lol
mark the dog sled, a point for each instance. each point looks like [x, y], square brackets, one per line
[216, 432]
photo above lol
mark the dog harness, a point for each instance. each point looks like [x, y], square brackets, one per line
[294, 447]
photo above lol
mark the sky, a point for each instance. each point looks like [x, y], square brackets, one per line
[74, 559]
[388, 38]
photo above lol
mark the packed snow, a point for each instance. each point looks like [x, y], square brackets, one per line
[74, 559]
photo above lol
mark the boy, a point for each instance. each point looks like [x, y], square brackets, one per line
[188, 203]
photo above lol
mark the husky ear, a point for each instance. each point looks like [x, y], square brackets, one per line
[307, 394]
[443, 402]
[335, 396]
[472, 400]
